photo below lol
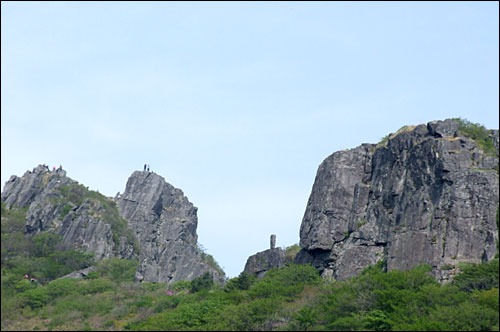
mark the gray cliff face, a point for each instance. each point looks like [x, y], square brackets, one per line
[152, 221]
[430, 195]
[58, 204]
[165, 223]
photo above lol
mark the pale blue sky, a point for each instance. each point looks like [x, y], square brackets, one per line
[238, 103]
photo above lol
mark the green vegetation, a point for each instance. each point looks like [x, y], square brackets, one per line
[210, 260]
[291, 252]
[477, 277]
[385, 139]
[291, 298]
[479, 134]
[117, 270]
[204, 282]
[74, 195]
[42, 256]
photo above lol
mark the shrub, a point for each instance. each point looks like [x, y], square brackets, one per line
[479, 134]
[117, 270]
[36, 298]
[94, 286]
[287, 281]
[478, 276]
[206, 281]
[242, 282]
[291, 252]
[61, 287]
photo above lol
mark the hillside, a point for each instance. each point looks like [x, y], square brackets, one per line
[399, 235]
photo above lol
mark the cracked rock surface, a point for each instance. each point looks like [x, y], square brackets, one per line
[165, 224]
[428, 195]
[152, 222]
[55, 203]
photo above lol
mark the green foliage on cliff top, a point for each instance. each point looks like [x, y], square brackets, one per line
[479, 134]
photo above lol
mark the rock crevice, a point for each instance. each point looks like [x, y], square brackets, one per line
[424, 196]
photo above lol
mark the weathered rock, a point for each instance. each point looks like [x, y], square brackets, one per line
[430, 195]
[165, 223]
[156, 220]
[80, 274]
[273, 241]
[263, 261]
[60, 205]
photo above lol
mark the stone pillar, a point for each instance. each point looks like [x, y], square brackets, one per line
[273, 241]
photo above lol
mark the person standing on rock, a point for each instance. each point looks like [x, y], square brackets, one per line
[148, 168]
[144, 167]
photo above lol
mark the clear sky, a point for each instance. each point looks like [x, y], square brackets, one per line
[236, 103]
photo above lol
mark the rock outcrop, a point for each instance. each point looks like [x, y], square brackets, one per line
[165, 223]
[85, 220]
[263, 261]
[428, 195]
[152, 222]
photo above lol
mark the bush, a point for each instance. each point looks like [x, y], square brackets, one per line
[287, 281]
[94, 286]
[291, 252]
[242, 282]
[24, 285]
[61, 287]
[206, 281]
[478, 276]
[117, 270]
[478, 134]
[36, 298]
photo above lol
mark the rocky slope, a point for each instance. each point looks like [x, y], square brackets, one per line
[152, 221]
[165, 224]
[429, 194]
[85, 220]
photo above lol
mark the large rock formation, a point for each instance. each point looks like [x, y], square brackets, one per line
[427, 195]
[85, 220]
[152, 222]
[263, 261]
[165, 223]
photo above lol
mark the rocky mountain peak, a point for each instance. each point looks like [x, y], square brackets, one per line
[165, 223]
[426, 194]
[22, 191]
[84, 219]
[152, 221]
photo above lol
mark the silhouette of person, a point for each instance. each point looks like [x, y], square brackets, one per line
[144, 167]
[148, 168]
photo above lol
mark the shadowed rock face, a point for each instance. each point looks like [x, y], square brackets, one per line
[165, 224]
[430, 195]
[60, 205]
